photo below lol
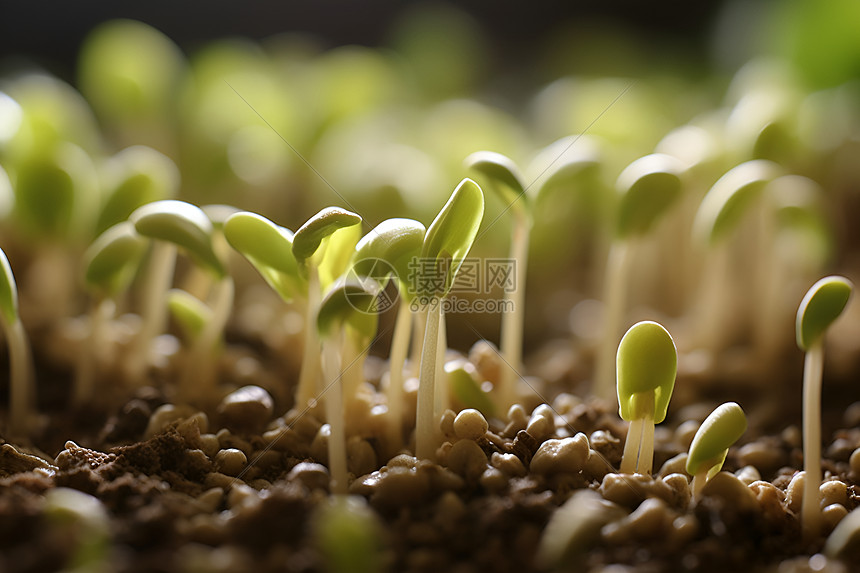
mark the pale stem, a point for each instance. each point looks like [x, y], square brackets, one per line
[351, 365]
[159, 277]
[440, 398]
[770, 287]
[420, 325]
[512, 322]
[399, 347]
[714, 300]
[645, 461]
[699, 481]
[309, 376]
[631, 446]
[92, 350]
[334, 416]
[616, 292]
[22, 398]
[200, 374]
[813, 367]
[425, 424]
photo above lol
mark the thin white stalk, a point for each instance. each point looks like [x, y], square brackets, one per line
[813, 368]
[420, 325]
[615, 287]
[714, 300]
[512, 322]
[440, 397]
[630, 456]
[425, 426]
[334, 416]
[699, 481]
[308, 384]
[352, 365]
[769, 288]
[92, 352]
[399, 347]
[645, 460]
[200, 375]
[159, 277]
[22, 391]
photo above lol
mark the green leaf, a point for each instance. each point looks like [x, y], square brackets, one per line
[190, 312]
[112, 258]
[729, 199]
[183, 224]
[8, 291]
[449, 238]
[566, 163]
[823, 304]
[309, 237]
[348, 536]
[504, 176]
[338, 252]
[722, 428]
[648, 187]
[349, 302]
[269, 248]
[393, 246]
[646, 363]
[465, 388]
[134, 177]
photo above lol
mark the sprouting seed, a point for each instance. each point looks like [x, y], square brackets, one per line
[722, 428]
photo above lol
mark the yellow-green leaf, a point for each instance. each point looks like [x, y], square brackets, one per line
[822, 305]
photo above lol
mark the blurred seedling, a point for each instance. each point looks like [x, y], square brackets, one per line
[386, 253]
[309, 248]
[446, 244]
[465, 389]
[647, 363]
[172, 224]
[22, 392]
[722, 428]
[348, 535]
[82, 522]
[648, 188]
[821, 306]
[109, 265]
[190, 313]
[347, 323]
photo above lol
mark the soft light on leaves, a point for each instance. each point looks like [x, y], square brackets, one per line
[648, 187]
[450, 237]
[647, 362]
[348, 535]
[338, 252]
[566, 163]
[822, 305]
[722, 428]
[397, 242]
[504, 176]
[190, 312]
[269, 248]
[134, 177]
[730, 198]
[112, 258]
[309, 237]
[183, 224]
[8, 291]
[465, 388]
[219, 213]
[349, 302]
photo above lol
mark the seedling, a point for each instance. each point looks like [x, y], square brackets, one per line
[173, 224]
[110, 263]
[386, 252]
[712, 441]
[647, 363]
[648, 187]
[347, 534]
[190, 313]
[465, 388]
[446, 244]
[347, 324]
[309, 248]
[821, 306]
[21, 386]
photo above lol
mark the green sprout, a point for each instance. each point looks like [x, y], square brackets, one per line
[648, 187]
[309, 249]
[172, 224]
[348, 535]
[84, 521]
[465, 388]
[507, 181]
[347, 324]
[446, 244]
[385, 253]
[21, 386]
[647, 363]
[109, 263]
[821, 306]
[190, 313]
[722, 428]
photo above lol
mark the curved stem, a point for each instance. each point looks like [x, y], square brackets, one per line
[813, 368]
[616, 293]
[399, 347]
[309, 377]
[425, 430]
[699, 481]
[334, 416]
[512, 321]
[22, 392]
